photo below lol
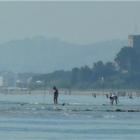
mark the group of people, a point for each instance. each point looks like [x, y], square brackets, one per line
[113, 97]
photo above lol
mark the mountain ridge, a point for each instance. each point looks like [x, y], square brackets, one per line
[42, 55]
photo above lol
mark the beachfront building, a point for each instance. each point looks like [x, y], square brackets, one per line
[134, 41]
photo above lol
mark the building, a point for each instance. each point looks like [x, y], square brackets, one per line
[134, 41]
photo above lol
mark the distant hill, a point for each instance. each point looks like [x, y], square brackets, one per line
[46, 55]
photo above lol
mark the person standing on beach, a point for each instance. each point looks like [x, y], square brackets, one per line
[55, 99]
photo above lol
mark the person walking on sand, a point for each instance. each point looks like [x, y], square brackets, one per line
[55, 99]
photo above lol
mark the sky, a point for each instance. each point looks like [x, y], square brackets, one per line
[71, 21]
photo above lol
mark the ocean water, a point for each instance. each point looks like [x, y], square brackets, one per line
[77, 117]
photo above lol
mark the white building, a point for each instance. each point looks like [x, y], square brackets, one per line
[134, 41]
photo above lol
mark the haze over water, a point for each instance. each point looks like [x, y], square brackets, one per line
[39, 32]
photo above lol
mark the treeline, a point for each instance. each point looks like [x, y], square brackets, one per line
[124, 72]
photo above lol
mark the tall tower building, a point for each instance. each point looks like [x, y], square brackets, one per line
[134, 41]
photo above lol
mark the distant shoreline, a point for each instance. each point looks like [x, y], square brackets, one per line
[73, 92]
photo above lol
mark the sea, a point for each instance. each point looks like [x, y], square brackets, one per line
[76, 117]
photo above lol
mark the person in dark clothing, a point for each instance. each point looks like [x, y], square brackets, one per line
[55, 95]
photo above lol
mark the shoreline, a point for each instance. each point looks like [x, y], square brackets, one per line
[135, 93]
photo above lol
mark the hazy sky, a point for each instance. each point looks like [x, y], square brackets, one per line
[78, 22]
